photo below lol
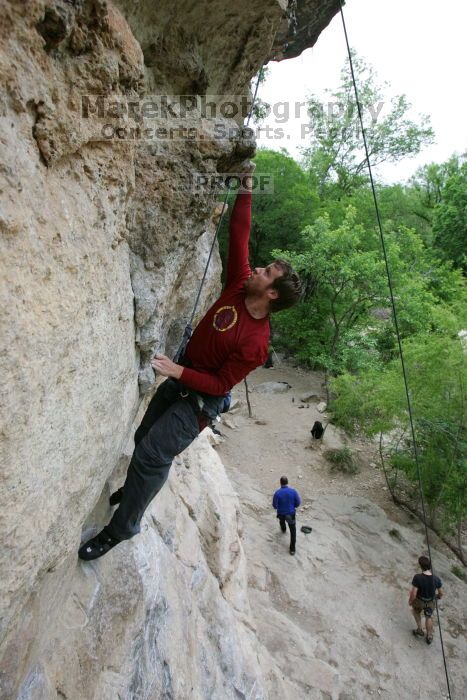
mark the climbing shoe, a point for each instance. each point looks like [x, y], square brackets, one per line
[418, 633]
[429, 639]
[292, 551]
[116, 497]
[97, 546]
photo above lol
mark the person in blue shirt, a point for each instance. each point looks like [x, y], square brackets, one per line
[285, 501]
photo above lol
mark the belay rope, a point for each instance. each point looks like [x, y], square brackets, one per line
[189, 326]
[396, 326]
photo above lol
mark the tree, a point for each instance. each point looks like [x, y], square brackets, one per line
[343, 275]
[375, 402]
[279, 217]
[345, 319]
[450, 219]
[399, 205]
[430, 180]
[336, 154]
[426, 192]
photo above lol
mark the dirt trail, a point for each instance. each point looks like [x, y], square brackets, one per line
[334, 617]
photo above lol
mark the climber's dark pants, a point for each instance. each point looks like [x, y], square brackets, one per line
[169, 425]
[290, 520]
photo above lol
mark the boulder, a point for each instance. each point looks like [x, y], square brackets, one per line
[309, 396]
[271, 387]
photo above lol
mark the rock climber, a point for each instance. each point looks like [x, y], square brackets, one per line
[228, 343]
[426, 587]
[285, 501]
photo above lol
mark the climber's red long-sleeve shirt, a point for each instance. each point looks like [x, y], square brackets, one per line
[228, 342]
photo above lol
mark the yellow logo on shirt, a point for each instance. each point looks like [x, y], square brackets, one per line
[225, 318]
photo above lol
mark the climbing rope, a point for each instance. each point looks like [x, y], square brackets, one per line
[396, 326]
[189, 326]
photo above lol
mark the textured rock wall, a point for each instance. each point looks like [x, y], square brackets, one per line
[164, 616]
[102, 252]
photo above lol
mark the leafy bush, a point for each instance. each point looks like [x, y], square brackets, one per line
[460, 573]
[341, 460]
[376, 403]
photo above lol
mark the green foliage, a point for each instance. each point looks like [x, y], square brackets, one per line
[450, 219]
[398, 205]
[428, 186]
[344, 279]
[345, 319]
[336, 154]
[278, 218]
[341, 460]
[429, 180]
[460, 573]
[395, 534]
[376, 402]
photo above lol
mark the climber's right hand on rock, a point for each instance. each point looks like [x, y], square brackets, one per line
[248, 168]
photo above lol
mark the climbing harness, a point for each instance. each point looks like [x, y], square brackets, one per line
[396, 326]
[189, 327]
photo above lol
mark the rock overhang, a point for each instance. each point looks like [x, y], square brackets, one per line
[227, 43]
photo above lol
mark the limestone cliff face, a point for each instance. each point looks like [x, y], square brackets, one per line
[103, 249]
[164, 616]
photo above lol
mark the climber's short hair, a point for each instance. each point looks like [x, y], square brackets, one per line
[288, 286]
[284, 481]
[425, 563]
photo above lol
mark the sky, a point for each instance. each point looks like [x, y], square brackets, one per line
[418, 46]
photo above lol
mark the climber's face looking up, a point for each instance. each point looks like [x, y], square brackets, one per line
[261, 281]
[278, 283]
